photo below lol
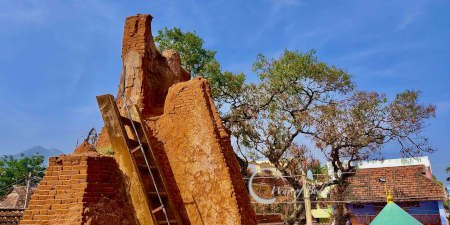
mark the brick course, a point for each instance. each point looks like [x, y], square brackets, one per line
[80, 190]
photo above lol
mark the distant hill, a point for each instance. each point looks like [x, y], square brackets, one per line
[39, 150]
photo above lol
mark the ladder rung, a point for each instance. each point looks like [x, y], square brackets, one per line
[165, 222]
[137, 148]
[158, 209]
[133, 143]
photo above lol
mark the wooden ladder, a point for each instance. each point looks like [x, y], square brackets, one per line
[129, 140]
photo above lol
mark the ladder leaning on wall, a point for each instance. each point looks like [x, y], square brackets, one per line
[135, 157]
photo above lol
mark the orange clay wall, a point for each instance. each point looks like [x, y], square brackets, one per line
[198, 148]
[80, 189]
[146, 73]
[186, 132]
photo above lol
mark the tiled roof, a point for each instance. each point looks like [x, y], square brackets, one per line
[407, 183]
[15, 199]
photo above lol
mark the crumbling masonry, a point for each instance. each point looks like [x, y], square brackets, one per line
[189, 142]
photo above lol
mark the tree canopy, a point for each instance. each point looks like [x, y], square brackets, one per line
[301, 98]
[448, 170]
[200, 61]
[194, 57]
[16, 171]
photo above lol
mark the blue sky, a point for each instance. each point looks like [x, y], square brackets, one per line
[56, 56]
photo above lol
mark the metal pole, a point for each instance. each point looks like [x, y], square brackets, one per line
[28, 190]
[307, 199]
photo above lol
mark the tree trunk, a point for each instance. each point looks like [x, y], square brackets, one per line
[243, 164]
[297, 215]
[341, 212]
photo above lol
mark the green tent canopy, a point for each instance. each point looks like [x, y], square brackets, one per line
[392, 214]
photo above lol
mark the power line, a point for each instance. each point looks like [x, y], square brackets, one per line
[351, 201]
[16, 182]
[34, 178]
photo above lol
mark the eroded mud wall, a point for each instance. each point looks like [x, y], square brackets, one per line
[146, 74]
[200, 155]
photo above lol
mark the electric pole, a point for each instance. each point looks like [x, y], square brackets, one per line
[28, 190]
[306, 199]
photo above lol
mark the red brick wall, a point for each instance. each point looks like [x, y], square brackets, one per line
[80, 190]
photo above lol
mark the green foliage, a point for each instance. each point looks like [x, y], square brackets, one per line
[194, 57]
[435, 179]
[15, 171]
[200, 61]
[295, 72]
[270, 114]
[448, 170]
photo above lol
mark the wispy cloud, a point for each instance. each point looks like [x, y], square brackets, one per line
[381, 49]
[23, 12]
[283, 3]
[408, 19]
[411, 15]
[278, 5]
[443, 107]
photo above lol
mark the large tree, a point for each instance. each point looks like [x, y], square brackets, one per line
[268, 116]
[17, 171]
[356, 127]
[272, 114]
[298, 97]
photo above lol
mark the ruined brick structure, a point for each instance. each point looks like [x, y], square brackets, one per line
[186, 132]
[149, 74]
[10, 216]
[82, 188]
[188, 139]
